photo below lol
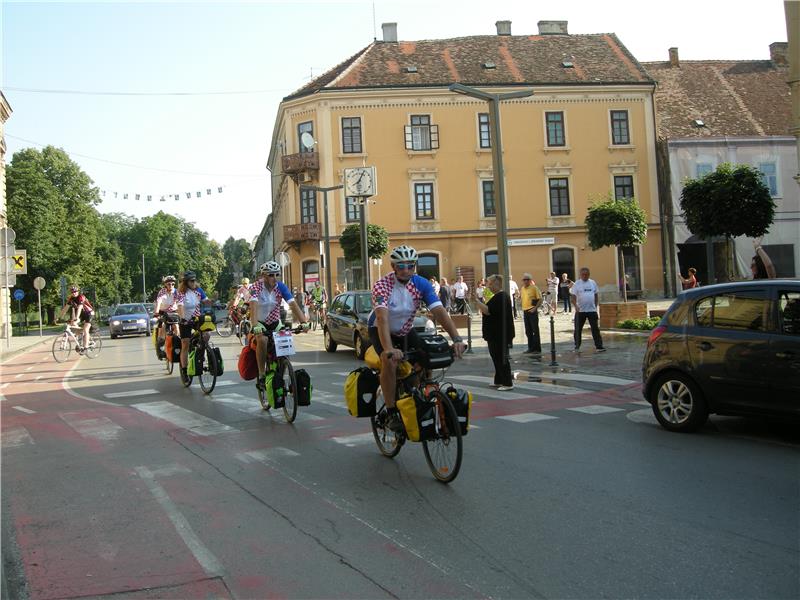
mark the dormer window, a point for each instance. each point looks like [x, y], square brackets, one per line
[489, 65]
[411, 69]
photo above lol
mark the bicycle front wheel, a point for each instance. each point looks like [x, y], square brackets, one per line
[389, 442]
[206, 369]
[286, 371]
[94, 347]
[63, 346]
[443, 453]
[226, 328]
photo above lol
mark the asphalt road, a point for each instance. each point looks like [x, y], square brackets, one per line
[117, 482]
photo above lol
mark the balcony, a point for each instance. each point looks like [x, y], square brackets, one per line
[302, 233]
[292, 164]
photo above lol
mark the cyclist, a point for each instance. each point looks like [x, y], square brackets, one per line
[266, 295]
[190, 299]
[396, 298]
[240, 301]
[320, 298]
[81, 309]
[166, 302]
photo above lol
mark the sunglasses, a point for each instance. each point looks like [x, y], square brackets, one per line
[271, 274]
[406, 265]
[526, 279]
[192, 281]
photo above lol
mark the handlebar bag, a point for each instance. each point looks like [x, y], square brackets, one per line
[436, 353]
[304, 387]
[360, 392]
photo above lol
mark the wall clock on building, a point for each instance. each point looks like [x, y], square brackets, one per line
[360, 181]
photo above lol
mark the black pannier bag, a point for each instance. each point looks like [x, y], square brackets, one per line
[220, 364]
[304, 387]
[435, 352]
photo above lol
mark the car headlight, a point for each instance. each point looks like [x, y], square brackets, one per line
[115, 322]
[141, 321]
[430, 326]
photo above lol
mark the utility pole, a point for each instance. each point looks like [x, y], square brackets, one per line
[144, 289]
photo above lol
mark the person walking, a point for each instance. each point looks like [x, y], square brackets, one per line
[691, 279]
[498, 331]
[460, 290]
[563, 290]
[552, 291]
[514, 289]
[444, 294]
[531, 298]
[585, 297]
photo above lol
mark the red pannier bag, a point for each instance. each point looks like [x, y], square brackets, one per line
[248, 365]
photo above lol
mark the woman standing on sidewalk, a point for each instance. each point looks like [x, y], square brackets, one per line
[498, 331]
[563, 291]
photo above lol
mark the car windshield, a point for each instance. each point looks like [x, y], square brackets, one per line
[363, 303]
[129, 309]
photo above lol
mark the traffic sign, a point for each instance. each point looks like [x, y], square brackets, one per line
[39, 283]
[18, 262]
[7, 236]
[19, 294]
[8, 281]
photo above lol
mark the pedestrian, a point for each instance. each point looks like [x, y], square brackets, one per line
[531, 298]
[498, 331]
[563, 289]
[480, 291]
[514, 289]
[585, 297]
[460, 290]
[444, 294]
[435, 285]
[691, 279]
[761, 265]
[552, 291]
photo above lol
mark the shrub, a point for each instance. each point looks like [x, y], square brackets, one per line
[643, 324]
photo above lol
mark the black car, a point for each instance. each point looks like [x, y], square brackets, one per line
[346, 322]
[729, 349]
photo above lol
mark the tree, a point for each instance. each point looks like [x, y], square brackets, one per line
[729, 202]
[238, 256]
[617, 222]
[377, 242]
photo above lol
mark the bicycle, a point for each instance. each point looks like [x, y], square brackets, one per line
[205, 359]
[65, 343]
[284, 365]
[230, 324]
[166, 322]
[444, 451]
[547, 305]
[316, 314]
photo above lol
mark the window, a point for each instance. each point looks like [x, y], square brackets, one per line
[559, 196]
[428, 265]
[738, 310]
[421, 135]
[703, 168]
[623, 186]
[487, 192]
[308, 206]
[307, 127]
[351, 135]
[423, 200]
[352, 209]
[620, 132]
[349, 304]
[769, 175]
[789, 312]
[491, 265]
[555, 128]
[484, 134]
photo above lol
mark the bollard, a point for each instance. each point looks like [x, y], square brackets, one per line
[553, 362]
[469, 333]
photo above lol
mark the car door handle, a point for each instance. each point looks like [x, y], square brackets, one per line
[704, 346]
[784, 354]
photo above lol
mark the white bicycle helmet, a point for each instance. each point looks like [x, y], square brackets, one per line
[270, 267]
[168, 278]
[403, 253]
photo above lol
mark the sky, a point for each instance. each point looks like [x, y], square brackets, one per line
[181, 97]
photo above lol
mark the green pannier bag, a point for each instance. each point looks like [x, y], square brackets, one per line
[191, 364]
[360, 392]
[275, 389]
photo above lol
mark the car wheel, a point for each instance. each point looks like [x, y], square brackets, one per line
[113, 336]
[330, 345]
[678, 403]
[360, 347]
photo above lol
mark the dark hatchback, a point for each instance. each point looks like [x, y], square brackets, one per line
[346, 322]
[729, 349]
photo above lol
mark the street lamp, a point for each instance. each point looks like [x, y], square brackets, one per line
[325, 190]
[497, 164]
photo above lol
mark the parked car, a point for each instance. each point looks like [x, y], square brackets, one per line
[346, 322]
[151, 313]
[129, 319]
[729, 349]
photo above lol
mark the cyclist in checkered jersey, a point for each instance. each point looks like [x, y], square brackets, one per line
[396, 298]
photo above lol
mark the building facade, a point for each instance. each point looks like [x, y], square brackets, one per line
[5, 294]
[588, 131]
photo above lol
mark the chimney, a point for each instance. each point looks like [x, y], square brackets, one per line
[673, 57]
[778, 52]
[503, 27]
[389, 32]
[552, 27]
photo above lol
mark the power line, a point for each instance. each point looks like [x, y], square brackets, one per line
[108, 93]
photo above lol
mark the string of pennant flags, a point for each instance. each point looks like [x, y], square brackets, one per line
[159, 197]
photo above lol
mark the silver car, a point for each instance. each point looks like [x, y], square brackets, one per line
[129, 319]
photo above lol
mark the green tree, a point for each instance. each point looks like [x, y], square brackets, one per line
[238, 256]
[620, 223]
[729, 202]
[377, 242]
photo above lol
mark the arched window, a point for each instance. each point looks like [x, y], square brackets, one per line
[428, 265]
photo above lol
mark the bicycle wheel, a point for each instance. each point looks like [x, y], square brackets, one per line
[226, 328]
[443, 453]
[286, 370]
[94, 346]
[206, 368]
[63, 346]
[244, 329]
[389, 442]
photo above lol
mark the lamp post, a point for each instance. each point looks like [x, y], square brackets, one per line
[362, 218]
[325, 190]
[497, 164]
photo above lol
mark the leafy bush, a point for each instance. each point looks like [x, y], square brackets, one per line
[643, 324]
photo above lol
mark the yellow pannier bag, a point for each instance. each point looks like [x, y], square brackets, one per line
[360, 392]
[374, 362]
[408, 411]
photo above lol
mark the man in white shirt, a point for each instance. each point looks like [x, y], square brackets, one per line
[585, 299]
[460, 290]
[514, 289]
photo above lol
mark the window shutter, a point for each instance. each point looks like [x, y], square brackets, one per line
[434, 137]
[409, 138]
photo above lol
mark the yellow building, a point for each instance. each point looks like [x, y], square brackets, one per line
[587, 131]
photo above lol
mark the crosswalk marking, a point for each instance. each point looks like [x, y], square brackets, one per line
[526, 417]
[585, 377]
[355, 440]
[131, 393]
[265, 454]
[25, 410]
[528, 385]
[228, 382]
[595, 409]
[16, 437]
[98, 428]
[183, 418]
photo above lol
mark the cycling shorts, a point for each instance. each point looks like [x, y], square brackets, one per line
[406, 343]
[85, 317]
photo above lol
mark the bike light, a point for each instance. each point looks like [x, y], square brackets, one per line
[430, 326]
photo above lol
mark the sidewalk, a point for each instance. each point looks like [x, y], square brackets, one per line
[20, 344]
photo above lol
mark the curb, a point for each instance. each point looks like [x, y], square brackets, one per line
[7, 354]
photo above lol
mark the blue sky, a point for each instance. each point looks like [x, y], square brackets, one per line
[188, 143]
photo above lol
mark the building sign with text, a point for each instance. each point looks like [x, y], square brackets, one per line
[548, 241]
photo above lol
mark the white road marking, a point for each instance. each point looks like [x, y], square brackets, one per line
[355, 440]
[493, 393]
[131, 393]
[29, 368]
[584, 377]
[265, 454]
[170, 469]
[642, 416]
[25, 410]
[595, 409]
[526, 417]
[642, 403]
[228, 382]
[207, 560]
[310, 364]
[183, 418]
[18, 375]
[99, 428]
[341, 373]
[15, 437]
[38, 377]
[335, 400]
[4, 386]
[527, 385]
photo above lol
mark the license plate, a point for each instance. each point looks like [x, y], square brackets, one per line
[128, 327]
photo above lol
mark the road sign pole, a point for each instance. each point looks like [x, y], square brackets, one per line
[39, 293]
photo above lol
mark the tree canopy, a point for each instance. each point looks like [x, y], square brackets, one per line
[377, 241]
[612, 222]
